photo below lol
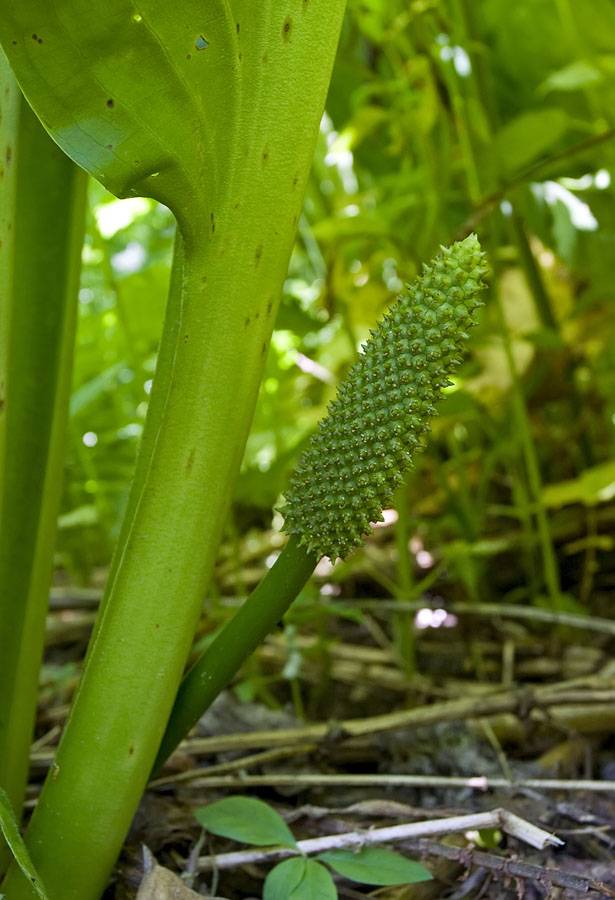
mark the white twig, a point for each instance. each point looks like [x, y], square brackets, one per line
[497, 818]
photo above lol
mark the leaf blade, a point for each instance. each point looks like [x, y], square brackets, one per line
[375, 865]
[315, 882]
[109, 87]
[246, 819]
[10, 830]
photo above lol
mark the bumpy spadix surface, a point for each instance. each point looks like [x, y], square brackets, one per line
[366, 443]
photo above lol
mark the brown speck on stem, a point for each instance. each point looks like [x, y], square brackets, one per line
[286, 27]
[131, 750]
[246, 321]
[213, 223]
[269, 308]
[264, 348]
[9, 155]
[186, 338]
[258, 254]
[237, 27]
[188, 55]
[190, 462]
[110, 102]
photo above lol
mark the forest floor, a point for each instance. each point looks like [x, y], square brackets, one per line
[504, 711]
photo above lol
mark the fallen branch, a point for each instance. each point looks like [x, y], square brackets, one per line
[497, 818]
[595, 690]
[510, 868]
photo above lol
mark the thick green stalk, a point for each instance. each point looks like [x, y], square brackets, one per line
[238, 232]
[39, 303]
[237, 641]
[155, 410]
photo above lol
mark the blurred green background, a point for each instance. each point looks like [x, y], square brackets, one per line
[443, 117]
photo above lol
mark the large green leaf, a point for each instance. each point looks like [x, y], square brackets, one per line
[110, 78]
[530, 135]
[594, 485]
[579, 74]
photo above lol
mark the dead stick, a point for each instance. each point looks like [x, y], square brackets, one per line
[497, 818]
[520, 702]
[477, 782]
[507, 868]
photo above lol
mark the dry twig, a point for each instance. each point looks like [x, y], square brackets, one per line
[497, 818]
[510, 868]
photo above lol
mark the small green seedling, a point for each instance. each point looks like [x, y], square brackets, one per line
[251, 821]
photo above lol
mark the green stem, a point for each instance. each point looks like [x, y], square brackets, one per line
[155, 409]
[39, 293]
[542, 301]
[521, 418]
[237, 641]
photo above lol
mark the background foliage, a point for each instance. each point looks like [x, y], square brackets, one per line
[444, 116]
